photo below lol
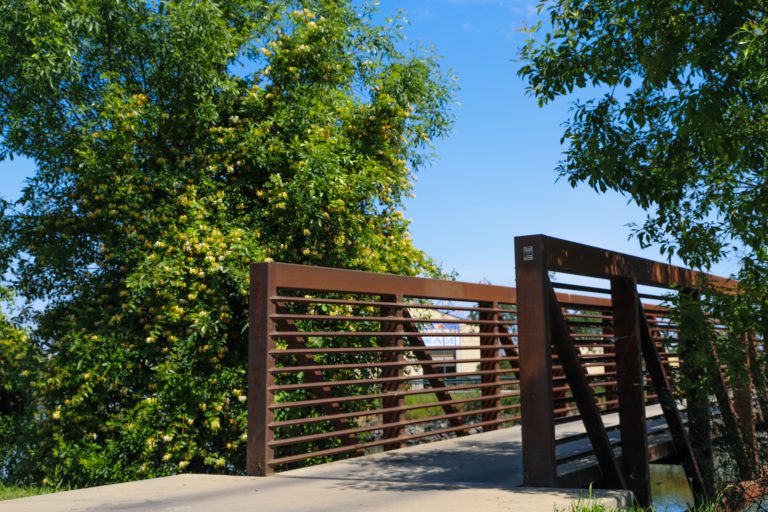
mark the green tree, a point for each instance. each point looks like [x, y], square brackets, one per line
[19, 367]
[675, 115]
[176, 142]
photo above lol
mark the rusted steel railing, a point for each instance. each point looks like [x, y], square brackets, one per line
[639, 335]
[344, 363]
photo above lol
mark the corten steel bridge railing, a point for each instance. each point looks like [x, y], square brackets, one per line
[345, 363]
[638, 337]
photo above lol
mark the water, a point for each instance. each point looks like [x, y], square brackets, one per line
[669, 488]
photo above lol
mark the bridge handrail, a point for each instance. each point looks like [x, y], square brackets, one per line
[542, 329]
[580, 259]
[339, 361]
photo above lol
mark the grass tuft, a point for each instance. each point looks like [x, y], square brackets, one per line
[11, 492]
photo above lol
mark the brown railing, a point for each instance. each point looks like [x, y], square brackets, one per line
[643, 339]
[344, 363]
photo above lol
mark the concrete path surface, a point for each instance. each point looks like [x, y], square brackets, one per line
[210, 493]
[482, 472]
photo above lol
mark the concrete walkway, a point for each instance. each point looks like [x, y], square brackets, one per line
[482, 472]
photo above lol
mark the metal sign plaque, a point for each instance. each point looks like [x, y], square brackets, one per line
[527, 253]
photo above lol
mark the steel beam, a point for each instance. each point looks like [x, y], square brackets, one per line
[260, 344]
[535, 349]
[629, 374]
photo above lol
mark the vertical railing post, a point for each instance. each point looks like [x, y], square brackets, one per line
[395, 400]
[630, 387]
[490, 348]
[261, 309]
[535, 351]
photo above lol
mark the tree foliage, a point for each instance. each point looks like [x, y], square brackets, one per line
[676, 115]
[176, 142]
[20, 363]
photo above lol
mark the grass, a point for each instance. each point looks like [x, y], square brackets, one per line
[11, 492]
[589, 505]
[426, 399]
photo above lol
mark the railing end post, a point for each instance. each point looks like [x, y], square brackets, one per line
[535, 351]
[260, 342]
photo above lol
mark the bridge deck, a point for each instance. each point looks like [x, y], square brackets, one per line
[478, 472]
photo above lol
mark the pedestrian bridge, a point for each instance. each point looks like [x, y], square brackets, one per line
[345, 364]
[380, 390]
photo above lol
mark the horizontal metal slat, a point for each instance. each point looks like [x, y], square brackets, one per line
[277, 443]
[372, 444]
[402, 364]
[376, 412]
[394, 394]
[382, 380]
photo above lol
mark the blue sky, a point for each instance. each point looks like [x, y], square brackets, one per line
[494, 177]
